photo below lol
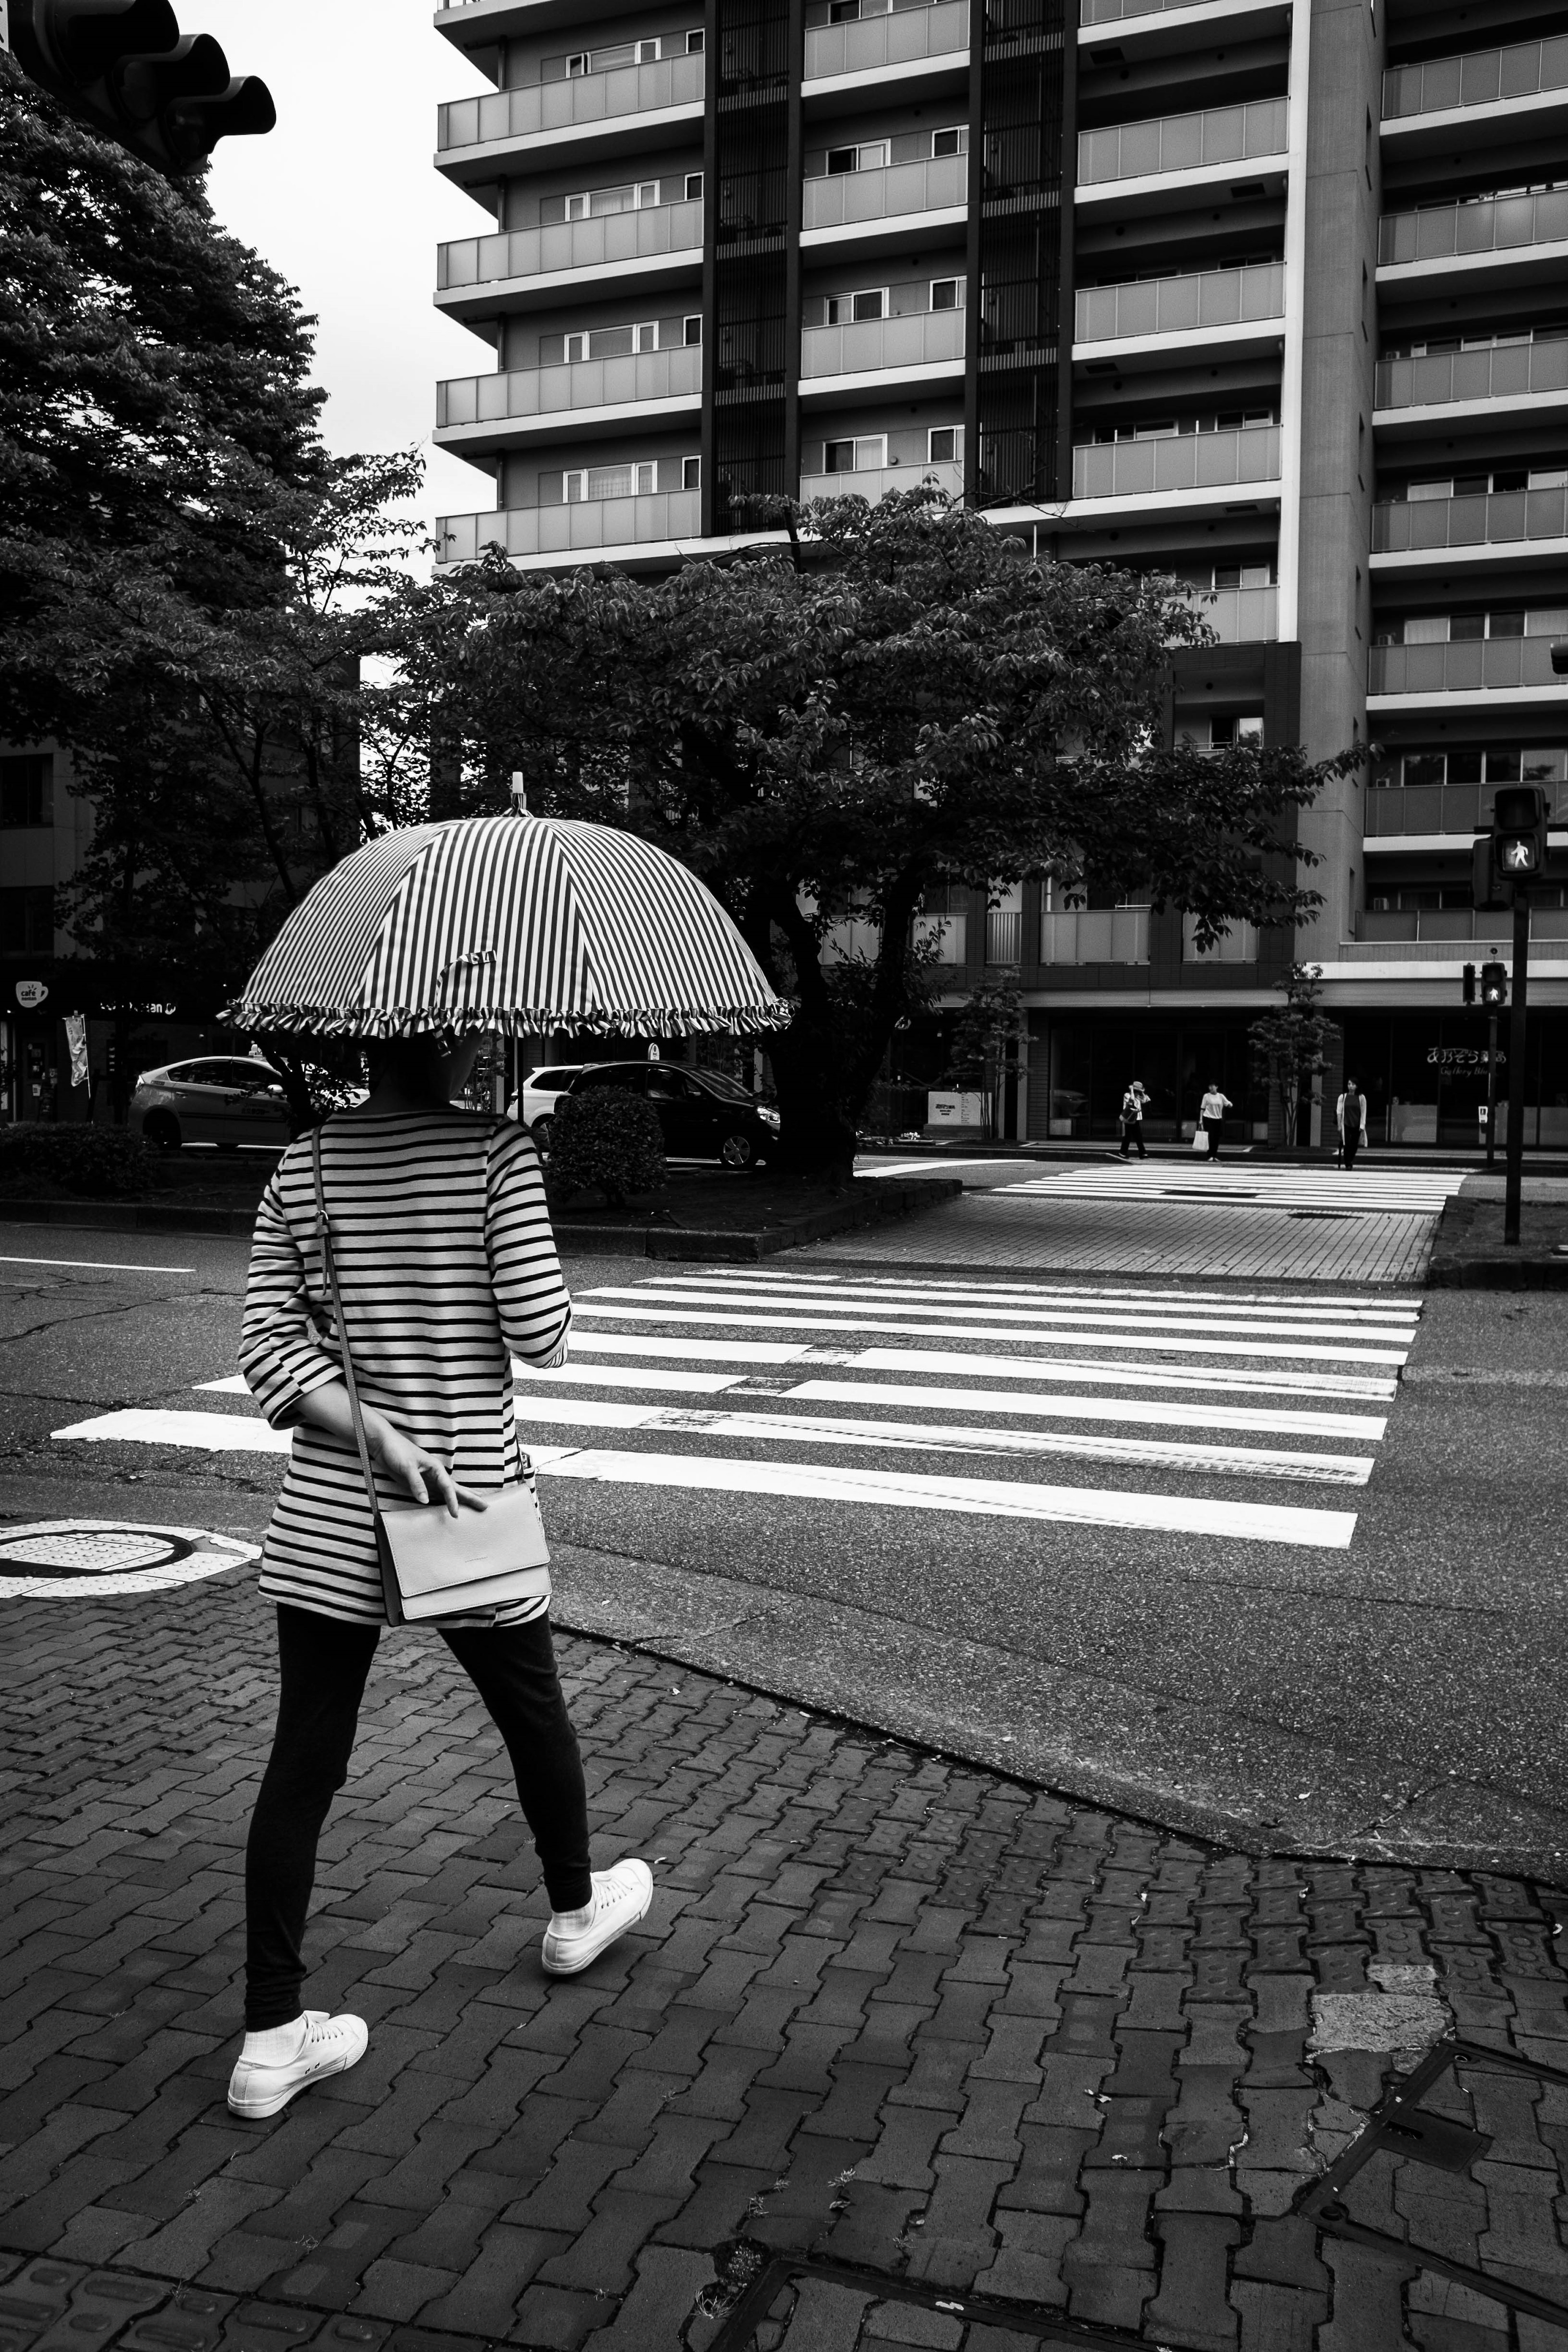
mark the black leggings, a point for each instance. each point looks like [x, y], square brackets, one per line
[324, 1663]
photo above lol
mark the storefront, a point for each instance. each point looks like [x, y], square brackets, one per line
[74, 1034]
[1080, 1065]
[1425, 1077]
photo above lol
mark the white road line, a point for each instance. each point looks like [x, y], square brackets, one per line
[211, 1433]
[1148, 1345]
[1255, 1190]
[928, 1167]
[235, 1385]
[1207, 1415]
[1309, 1312]
[1116, 1319]
[1280, 1382]
[580, 1375]
[99, 1265]
[992, 1498]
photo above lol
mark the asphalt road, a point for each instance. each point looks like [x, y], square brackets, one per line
[1402, 1695]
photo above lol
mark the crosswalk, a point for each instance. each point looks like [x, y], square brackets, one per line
[1390, 1192]
[1135, 1407]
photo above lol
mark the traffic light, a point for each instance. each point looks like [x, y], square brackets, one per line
[123, 68]
[1519, 831]
[1489, 891]
[1494, 983]
[1469, 982]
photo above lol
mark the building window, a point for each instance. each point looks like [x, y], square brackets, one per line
[692, 328]
[870, 156]
[947, 294]
[867, 454]
[694, 187]
[945, 444]
[954, 141]
[840, 310]
[1247, 728]
[587, 482]
[27, 789]
[691, 473]
[28, 921]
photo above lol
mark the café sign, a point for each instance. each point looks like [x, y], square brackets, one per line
[31, 994]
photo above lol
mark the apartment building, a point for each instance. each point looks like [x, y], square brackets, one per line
[1271, 297]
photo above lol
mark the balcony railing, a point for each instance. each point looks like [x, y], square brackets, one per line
[1238, 944]
[1455, 923]
[1110, 12]
[1240, 616]
[587, 525]
[873, 485]
[1108, 935]
[1499, 519]
[1399, 809]
[867, 346]
[1004, 936]
[1184, 143]
[1179, 461]
[1501, 372]
[562, 246]
[901, 38]
[948, 933]
[1483, 78]
[1174, 306]
[1490, 664]
[586, 98]
[628, 380]
[843, 198]
[1491, 225]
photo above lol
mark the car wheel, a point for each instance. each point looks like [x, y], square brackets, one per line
[541, 1130]
[737, 1150]
[161, 1131]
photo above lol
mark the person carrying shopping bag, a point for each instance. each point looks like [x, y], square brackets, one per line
[1211, 1116]
[1132, 1103]
[1349, 1112]
[429, 1236]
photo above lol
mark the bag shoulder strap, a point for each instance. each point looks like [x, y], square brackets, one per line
[330, 1267]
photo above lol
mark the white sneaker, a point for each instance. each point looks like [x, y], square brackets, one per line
[621, 1897]
[331, 2046]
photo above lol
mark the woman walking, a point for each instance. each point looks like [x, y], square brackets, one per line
[1211, 1115]
[1132, 1103]
[447, 1269]
[1350, 1113]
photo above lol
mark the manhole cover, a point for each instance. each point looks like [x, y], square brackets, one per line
[71, 1560]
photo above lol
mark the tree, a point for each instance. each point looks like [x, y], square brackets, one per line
[992, 1021]
[1292, 1042]
[902, 699]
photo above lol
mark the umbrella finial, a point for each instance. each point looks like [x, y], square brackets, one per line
[518, 792]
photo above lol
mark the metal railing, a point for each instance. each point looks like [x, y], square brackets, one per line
[1492, 664]
[1237, 945]
[1004, 936]
[632, 378]
[1489, 225]
[1179, 461]
[1170, 305]
[1240, 616]
[875, 484]
[560, 245]
[1184, 143]
[1482, 78]
[1110, 12]
[584, 99]
[1398, 809]
[948, 933]
[901, 38]
[1455, 923]
[1497, 520]
[1500, 373]
[1095, 935]
[843, 198]
[867, 346]
[586, 526]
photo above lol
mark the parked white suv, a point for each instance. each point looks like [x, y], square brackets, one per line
[537, 1098]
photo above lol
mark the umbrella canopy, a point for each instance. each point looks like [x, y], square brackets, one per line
[514, 923]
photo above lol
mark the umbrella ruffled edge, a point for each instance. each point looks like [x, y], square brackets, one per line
[649, 1020]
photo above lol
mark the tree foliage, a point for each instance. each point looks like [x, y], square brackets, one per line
[1292, 1042]
[606, 1138]
[904, 698]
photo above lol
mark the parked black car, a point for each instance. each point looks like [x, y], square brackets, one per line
[704, 1116]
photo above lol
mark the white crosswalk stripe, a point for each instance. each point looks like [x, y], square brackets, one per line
[1167, 1399]
[1390, 1192]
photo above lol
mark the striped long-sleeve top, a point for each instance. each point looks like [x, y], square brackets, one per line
[447, 1269]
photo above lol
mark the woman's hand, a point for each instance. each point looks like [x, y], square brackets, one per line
[426, 1479]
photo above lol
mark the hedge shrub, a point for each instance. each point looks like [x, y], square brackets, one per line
[97, 1163]
[607, 1139]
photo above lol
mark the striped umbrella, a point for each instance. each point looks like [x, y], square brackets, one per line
[514, 923]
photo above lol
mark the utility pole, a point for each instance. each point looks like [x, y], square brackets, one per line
[1491, 1091]
[1514, 1179]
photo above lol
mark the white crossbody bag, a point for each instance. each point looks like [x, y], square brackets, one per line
[433, 1565]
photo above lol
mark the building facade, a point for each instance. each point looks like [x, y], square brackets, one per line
[1270, 297]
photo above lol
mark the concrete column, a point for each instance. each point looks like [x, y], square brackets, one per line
[1338, 213]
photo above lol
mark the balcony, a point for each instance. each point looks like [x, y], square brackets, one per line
[1112, 12]
[1178, 461]
[565, 247]
[948, 935]
[905, 36]
[1506, 371]
[1457, 923]
[1489, 225]
[947, 476]
[1502, 519]
[583, 103]
[853, 199]
[1238, 944]
[1395, 810]
[1096, 935]
[1175, 306]
[1483, 78]
[1004, 936]
[588, 526]
[1488, 665]
[1240, 616]
[923, 339]
[632, 379]
[1183, 143]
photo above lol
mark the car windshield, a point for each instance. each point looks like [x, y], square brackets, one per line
[547, 1080]
[727, 1089]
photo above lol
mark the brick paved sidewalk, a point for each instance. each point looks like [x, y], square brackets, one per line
[944, 2031]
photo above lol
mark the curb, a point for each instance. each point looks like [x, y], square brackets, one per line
[1456, 1266]
[145, 1217]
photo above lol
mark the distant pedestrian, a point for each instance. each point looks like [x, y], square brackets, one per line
[1350, 1113]
[447, 1271]
[1211, 1115]
[1132, 1103]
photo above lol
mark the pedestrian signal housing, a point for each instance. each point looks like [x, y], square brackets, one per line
[125, 68]
[1494, 983]
[1519, 831]
[1469, 980]
[1489, 891]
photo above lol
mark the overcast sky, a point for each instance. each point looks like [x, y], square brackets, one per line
[343, 200]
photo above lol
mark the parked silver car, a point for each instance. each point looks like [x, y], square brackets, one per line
[227, 1099]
